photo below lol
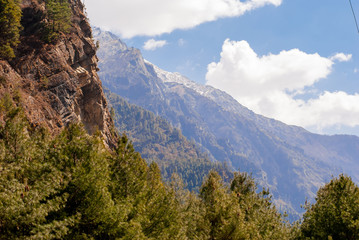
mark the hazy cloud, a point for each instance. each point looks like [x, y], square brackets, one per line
[131, 18]
[270, 85]
[181, 42]
[152, 44]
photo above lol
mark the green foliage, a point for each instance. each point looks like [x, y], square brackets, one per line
[158, 141]
[44, 82]
[221, 211]
[58, 17]
[239, 212]
[335, 215]
[260, 215]
[10, 16]
[148, 208]
[51, 189]
[83, 161]
[71, 187]
[27, 183]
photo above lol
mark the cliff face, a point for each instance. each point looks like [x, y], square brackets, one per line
[58, 83]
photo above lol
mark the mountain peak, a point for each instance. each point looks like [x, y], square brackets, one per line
[292, 162]
[109, 40]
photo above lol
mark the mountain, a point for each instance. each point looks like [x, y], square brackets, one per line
[292, 162]
[64, 182]
[159, 142]
[54, 74]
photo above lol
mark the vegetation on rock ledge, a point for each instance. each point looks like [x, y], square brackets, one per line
[58, 19]
[10, 16]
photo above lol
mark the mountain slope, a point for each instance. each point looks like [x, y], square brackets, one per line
[158, 141]
[289, 160]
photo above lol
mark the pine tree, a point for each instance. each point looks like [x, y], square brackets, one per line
[162, 218]
[335, 215]
[83, 160]
[10, 16]
[261, 218]
[223, 214]
[128, 187]
[70, 186]
[28, 184]
[59, 19]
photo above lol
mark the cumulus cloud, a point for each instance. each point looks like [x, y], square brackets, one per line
[143, 17]
[152, 44]
[341, 57]
[271, 84]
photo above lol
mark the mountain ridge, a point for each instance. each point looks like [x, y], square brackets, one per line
[292, 162]
[157, 141]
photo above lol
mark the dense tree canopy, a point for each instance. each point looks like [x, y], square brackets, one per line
[71, 187]
[10, 16]
[58, 19]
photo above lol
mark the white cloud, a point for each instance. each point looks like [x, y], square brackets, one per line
[270, 85]
[153, 17]
[152, 44]
[341, 57]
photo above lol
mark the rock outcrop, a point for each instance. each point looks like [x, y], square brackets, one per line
[57, 83]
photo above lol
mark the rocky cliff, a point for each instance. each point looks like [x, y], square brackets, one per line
[57, 83]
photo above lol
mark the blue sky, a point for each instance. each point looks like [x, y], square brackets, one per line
[293, 60]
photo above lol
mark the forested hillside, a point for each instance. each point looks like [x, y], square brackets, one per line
[70, 186]
[292, 162]
[158, 141]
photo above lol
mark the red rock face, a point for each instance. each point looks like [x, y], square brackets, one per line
[58, 83]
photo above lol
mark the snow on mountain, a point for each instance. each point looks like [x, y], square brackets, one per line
[292, 162]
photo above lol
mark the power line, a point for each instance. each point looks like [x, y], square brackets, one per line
[356, 22]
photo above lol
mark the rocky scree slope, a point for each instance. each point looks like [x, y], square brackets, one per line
[57, 83]
[292, 162]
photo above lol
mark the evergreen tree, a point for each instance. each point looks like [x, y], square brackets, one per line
[59, 19]
[28, 184]
[162, 216]
[261, 219]
[83, 160]
[71, 187]
[149, 208]
[193, 215]
[129, 171]
[128, 185]
[335, 215]
[10, 17]
[222, 213]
